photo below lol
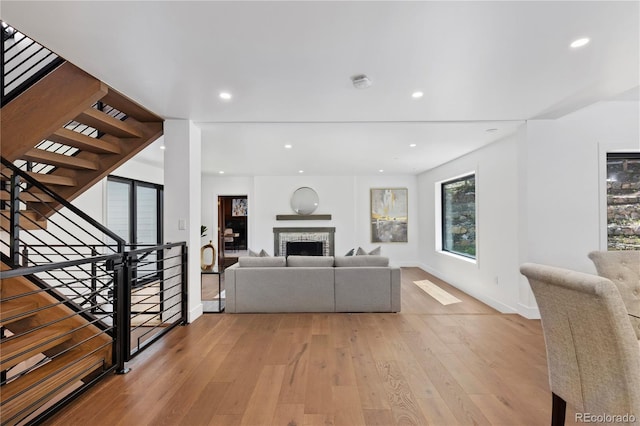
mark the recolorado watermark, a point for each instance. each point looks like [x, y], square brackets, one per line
[604, 418]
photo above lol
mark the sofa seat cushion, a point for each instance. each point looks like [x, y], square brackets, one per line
[310, 261]
[261, 262]
[360, 261]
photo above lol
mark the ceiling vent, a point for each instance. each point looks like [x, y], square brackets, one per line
[361, 81]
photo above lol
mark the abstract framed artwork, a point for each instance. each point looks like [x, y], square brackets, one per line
[239, 207]
[389, 215]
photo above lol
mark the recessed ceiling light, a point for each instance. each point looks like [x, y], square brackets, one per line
[300, 171]
[225, 95]
[163, 147]
[492, 130]
[417, 95]
[381, 171]
[288, 146]
[580, 42]
[412, 145]
[221, 172]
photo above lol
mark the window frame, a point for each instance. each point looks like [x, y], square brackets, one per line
[623, 154]
[131, 240]
[442, 185]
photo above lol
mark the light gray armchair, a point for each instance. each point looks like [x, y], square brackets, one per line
[623, 268]
[592, 351]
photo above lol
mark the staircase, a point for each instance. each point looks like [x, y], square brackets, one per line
[70, 130]
[58, 307]
[48, 349]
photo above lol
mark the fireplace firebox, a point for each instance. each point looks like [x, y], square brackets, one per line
[304, 248]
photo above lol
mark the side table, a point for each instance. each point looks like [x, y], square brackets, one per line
[212, 291]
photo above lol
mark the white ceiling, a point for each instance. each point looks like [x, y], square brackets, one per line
[481, 65]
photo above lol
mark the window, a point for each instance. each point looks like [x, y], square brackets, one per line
[623, 201]
[459, 216]
[134, 212]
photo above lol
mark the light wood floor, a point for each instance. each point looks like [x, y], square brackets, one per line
[461, 364]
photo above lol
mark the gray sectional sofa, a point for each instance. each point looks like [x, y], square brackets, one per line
[312, 284]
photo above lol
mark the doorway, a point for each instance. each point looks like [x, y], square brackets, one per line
[233, 233]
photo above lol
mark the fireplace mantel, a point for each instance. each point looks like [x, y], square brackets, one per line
[324, 234]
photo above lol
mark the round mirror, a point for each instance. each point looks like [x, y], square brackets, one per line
[304, 200]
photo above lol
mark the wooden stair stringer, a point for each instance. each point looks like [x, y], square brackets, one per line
[133, 109]
[45, 107]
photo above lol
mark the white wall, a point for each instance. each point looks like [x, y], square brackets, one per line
[272, 196]
[563, 161]
[346, 198]
[540, 199]
[493, 278]
[563, 158]
[182, 199]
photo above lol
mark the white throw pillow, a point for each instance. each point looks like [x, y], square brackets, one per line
[375, 252]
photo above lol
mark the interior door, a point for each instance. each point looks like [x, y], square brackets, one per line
[232, 215]
[221, 221]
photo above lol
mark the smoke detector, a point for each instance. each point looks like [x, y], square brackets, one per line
[361, 81]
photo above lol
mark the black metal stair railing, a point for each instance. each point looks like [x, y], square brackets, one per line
[60, 276]
[32, 203]
[42, 228]
[156, 293]
[23, 63]
[74, 349]
[111, 300]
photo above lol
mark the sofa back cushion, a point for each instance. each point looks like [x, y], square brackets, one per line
[261, 262]
[284, 290]
[356, 261]
[310, 261]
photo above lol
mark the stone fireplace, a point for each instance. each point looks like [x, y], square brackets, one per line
[281, 236]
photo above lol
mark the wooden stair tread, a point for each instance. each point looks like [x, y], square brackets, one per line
[83, 142]
[37, 197]
[11, 310]
[59, 160]
[26, 346]
[107, 124]
[44, 178]
[12, 403]
[49, 179]
[27, 219]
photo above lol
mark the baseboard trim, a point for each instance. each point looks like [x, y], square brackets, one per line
[408, 264]
[529, 312]
[195, 313]
[499, 306]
